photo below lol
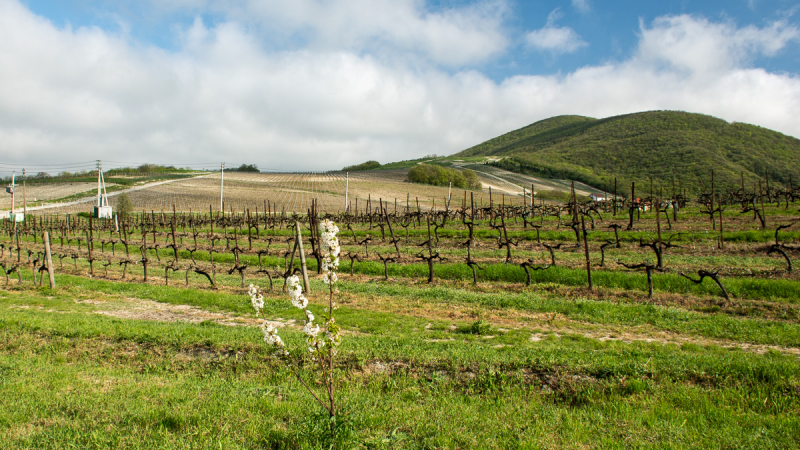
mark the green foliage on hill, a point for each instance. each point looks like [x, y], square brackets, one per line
[146, 168]
[559, 196]
[442, 176]
[369, 165]
[662, 145]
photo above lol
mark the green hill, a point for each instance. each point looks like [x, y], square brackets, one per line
[662, 145]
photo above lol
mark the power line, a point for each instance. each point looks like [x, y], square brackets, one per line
[41, 167]
[49, 165]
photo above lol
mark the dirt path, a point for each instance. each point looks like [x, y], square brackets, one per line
[541, 325]
[140, 309]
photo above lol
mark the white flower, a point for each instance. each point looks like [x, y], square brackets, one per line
[258, 302]
[316, 337]
[329, 264]
[271, 336]
[330, 277]
[300, 302]
[296, 292]
[330, 250]
[311, 330]
[330, 243]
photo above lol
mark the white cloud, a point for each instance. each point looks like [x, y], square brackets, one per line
[696, 45]
[71, 95]
[555, 39]
[453, 36]
[582, 5]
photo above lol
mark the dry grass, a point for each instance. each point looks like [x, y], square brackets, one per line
[290, 192]
[38, 193]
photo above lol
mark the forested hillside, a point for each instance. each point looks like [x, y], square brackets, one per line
[666, 146]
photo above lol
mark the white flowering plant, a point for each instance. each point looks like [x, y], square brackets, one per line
[322, 337]
[256, 299]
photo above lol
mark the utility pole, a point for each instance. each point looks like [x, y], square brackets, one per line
[102, 210]
[99, 188]
[13, 194]
[221, 184]
[24, 201]
[346, 187]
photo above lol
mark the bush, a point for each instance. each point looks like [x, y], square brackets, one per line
[124, 206]
[442, 176]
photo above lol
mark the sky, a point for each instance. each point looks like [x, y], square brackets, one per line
[315, 85]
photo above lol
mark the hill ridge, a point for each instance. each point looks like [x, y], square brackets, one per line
[665, 146]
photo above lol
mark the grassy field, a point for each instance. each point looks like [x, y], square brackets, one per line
[100, 364]
[106, 362]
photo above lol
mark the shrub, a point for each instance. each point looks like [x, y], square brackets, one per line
[124, 206]
[442, 176]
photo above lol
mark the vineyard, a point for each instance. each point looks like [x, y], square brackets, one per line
[289, 192]
[474, 318]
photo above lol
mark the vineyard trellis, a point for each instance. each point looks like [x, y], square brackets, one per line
[245, 241]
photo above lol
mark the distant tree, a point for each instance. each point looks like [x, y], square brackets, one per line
[124, 206]
[471, 179]
[148, 168]
[247, 168]
[369, 165]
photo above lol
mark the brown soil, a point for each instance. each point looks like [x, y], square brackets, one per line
[139, 309]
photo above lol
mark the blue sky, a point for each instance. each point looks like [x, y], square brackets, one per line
[319, 84]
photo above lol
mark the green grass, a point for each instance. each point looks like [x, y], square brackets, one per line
[72, 378]
[445, 365]
[604, 312]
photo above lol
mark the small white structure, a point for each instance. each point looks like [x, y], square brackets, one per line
[14, 216]
[103, 209]
[597, 197]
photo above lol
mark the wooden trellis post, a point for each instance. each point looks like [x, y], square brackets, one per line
[306, 286]
[49, 259]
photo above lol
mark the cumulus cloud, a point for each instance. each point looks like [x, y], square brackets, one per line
[452, 36]
[81, 94]
[696, 45]
[553, 38]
